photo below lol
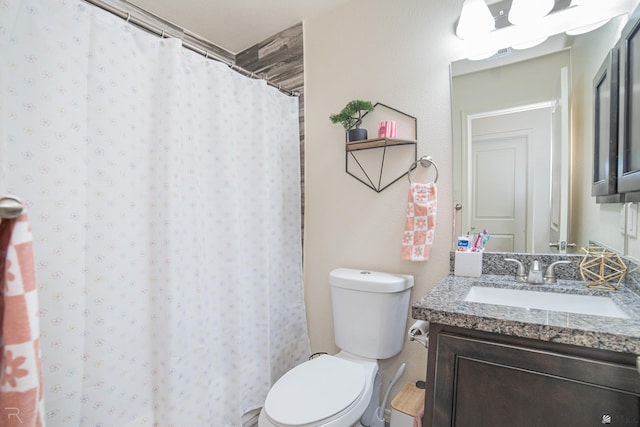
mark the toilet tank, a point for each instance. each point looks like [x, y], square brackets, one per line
[369, 311]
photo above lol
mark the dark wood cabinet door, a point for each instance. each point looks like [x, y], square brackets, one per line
[629, 143]
[605, 132]
[478, 383]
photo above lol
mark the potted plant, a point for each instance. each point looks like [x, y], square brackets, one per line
[351, 118]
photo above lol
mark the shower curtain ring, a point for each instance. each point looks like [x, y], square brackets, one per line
[128, 16]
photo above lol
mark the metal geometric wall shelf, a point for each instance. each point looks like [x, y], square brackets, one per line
[365, 161]
[380, 162]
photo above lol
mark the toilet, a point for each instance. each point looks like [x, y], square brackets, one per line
[369, 315]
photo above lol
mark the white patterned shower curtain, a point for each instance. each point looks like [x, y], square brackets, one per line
[163, 193]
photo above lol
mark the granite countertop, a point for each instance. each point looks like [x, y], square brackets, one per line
[445, 304]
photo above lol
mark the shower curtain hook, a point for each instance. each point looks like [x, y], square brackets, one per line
[128, 16]
[206, 54]
[162, 35]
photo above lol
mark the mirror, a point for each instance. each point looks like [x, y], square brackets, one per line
[516, 125]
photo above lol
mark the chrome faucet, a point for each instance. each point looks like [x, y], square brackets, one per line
[535, 273]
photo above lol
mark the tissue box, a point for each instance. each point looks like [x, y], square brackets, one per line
[468, 264]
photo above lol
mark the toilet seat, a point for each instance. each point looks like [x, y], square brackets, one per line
[315, 392]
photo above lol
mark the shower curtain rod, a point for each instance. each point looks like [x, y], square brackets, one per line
[165, 29]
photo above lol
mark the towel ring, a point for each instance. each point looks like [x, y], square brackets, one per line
[425, 161]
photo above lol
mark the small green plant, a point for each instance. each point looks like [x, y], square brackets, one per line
[351, 115]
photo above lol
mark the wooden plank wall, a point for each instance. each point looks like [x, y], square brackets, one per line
[279, 58]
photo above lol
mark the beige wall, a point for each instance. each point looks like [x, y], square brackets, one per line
[397, 53]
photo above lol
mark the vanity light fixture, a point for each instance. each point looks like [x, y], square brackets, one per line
[551, 17]
[592, 7]
[475, 19]
[524, 12]
[483, 55]
[587, 28]
[529, 44]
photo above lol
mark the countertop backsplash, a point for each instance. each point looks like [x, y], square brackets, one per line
[632, 278]
[494, 263]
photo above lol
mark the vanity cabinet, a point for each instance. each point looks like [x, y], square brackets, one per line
[629, 127]
[478, 379]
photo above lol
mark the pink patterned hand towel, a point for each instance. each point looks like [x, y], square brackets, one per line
[421, 222]
[21, 393]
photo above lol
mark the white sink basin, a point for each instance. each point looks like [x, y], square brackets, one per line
[570, 303]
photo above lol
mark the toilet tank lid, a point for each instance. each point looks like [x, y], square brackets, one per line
[370, 281]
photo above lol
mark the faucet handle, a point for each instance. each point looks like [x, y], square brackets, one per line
[550, 273]
[520, 275]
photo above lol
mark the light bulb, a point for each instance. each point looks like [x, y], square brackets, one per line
[475, 19]
[526, 11]
[481, 56]
[587, 28]
[527, 45]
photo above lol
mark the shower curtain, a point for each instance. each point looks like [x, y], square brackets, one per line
[163, 192]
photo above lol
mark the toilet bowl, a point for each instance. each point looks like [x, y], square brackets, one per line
[336, 393]
[369, 316]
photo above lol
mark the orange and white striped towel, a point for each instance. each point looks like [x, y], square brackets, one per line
[421, 222]
[21, 392]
